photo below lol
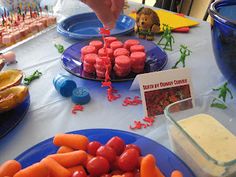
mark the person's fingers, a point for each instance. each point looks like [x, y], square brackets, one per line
[103, 11]
[116, 8]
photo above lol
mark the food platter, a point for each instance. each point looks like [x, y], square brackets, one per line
[71, 60]
[167, 161]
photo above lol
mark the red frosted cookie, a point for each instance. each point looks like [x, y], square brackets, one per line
[130, 43]
[123, 61]
[121, 51]
[101, 52]
[97, 44]
[88, 68]
[138, 58]
[137, 69]
[122, 69]
[86, 50]
[109, 40]
[101, 60]
[90, 58]
[137, 48]
[100, 74]
[121, 74]
[116, 44]
[100, 67]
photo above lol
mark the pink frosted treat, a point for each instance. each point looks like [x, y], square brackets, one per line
[121, 51]
[17, 36]
[97, 44]
[88, 67]
[109, 40]
[116, 44]
[131, 42]
[137, 48]
[138, 61]
[8, 39]
[40, 26]
[123, 61]
[51, 20]
[122, 66]
[89, 62]
[33, 28]
[43, 21]
[138, 58]
[90, 58]
[87, 50]
[102, 52]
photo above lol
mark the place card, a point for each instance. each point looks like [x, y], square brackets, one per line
[159, 89]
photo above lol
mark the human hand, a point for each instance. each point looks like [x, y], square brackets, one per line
[107, 11]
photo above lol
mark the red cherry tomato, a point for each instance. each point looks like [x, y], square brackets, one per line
[79, 174]
[128, 174]
[98, 166]
[92, 147]
[128, 160]
[114, 165]
[117, 144]
[107, 152]
[129, 146]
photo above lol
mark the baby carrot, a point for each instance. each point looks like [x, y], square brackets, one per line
[35, 170]
[176, 173]
[148, 167]
[73, 141]
[70, 159]
[64, 149]
[9, 168]
[55, 169]
[79, 168]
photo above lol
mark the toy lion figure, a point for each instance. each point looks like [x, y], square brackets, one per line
[147, 23]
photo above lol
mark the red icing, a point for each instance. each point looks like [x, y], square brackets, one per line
[129, 101]
[77, 108]
[147, 122]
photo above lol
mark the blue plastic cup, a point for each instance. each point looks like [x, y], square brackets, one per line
[64, 85]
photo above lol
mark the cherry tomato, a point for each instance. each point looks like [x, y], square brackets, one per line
[114, 165]
[128, 160]
[92, 147]
[129, 146]
[117, 144]
[79, 174]
[89, 157]
[106, 152]
[98, 166]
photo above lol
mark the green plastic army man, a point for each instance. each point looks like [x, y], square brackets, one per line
[168, 37]
[184, 51]
[224, 90]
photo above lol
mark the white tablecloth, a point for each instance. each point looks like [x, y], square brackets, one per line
[50, 113]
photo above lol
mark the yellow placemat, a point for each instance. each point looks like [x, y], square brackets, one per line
[174, 21]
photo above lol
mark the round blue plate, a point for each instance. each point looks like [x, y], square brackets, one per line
[156, 60]
[86, 26]
[167, 161]
[10, 119]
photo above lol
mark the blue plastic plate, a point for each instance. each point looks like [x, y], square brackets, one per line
[167, 161]
[156, 60]
[86, 26]
[10, 119]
